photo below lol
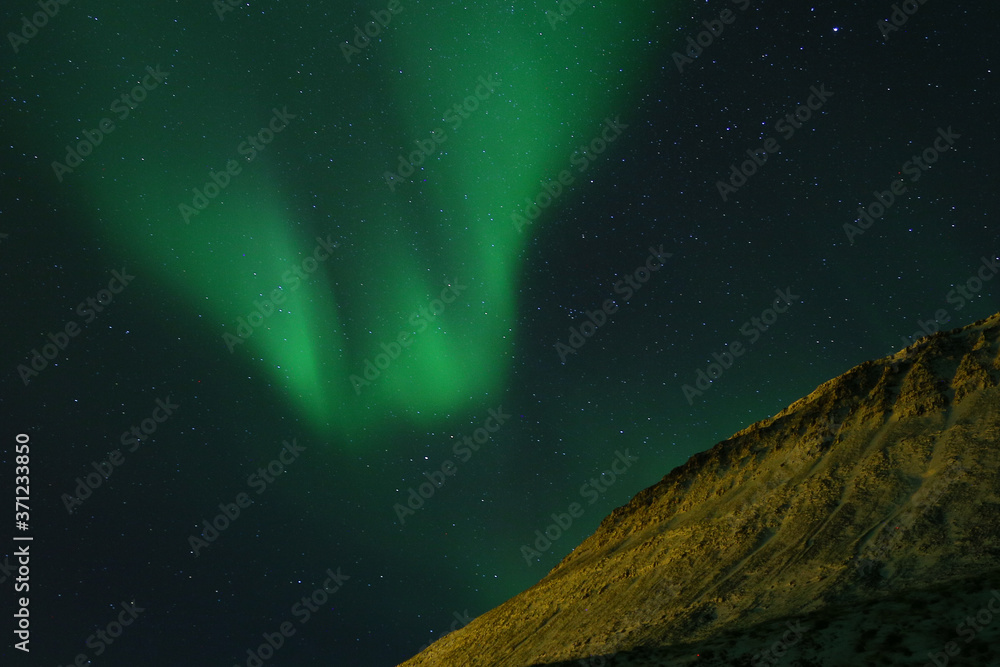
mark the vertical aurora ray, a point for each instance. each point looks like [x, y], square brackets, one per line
[323, 174]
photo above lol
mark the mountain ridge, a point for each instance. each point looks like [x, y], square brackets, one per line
[877, 481]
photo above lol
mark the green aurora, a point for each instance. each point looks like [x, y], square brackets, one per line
[397, 247]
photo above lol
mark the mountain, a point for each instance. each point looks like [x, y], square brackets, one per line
[858, 526]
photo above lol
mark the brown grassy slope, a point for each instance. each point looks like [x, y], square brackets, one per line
[878, 482]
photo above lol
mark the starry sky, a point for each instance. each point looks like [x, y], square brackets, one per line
[398, 297]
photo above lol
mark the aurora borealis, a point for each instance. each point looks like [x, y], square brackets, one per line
[366, 225]
[154, 155]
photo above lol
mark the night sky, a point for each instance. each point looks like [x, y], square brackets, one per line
[353, 291]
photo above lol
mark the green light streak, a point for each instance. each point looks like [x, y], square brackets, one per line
[450, 221]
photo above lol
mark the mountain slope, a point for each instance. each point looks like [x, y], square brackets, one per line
[880, 484]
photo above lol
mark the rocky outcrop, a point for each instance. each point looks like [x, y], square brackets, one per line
[880, 485]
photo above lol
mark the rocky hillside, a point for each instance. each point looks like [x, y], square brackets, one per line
[860, 525]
